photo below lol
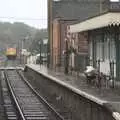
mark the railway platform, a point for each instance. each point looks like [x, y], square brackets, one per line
[108, 97]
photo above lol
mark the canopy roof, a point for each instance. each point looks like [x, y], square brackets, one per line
[104, 20]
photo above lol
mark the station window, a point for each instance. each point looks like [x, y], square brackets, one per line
[99, 48]
[104, 47]
[109, 47]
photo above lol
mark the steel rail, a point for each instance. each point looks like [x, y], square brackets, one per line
[14, 97]
[40, 97]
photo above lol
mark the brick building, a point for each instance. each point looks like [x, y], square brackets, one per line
[64, 13]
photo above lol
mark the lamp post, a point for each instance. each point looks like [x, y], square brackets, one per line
[24, 48]
[23, 45]
[66, 57]
[40, 51]
[50, 34]
[19, 51]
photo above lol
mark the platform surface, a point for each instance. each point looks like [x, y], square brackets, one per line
[104, 96]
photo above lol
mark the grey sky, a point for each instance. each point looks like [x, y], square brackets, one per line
[32, 12]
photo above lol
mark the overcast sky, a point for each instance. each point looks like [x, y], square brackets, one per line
[32, 12]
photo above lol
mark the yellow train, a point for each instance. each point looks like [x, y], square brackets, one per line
[11, 53]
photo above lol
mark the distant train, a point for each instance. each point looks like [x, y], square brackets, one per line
[11, 53]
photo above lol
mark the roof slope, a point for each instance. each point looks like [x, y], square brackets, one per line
[104, 20]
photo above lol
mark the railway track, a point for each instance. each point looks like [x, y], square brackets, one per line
[29, 105]
[8, 103]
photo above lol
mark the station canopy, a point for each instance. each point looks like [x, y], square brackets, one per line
[104, 20]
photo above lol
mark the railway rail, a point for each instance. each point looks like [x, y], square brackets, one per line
[8, 103]
[29, 104]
